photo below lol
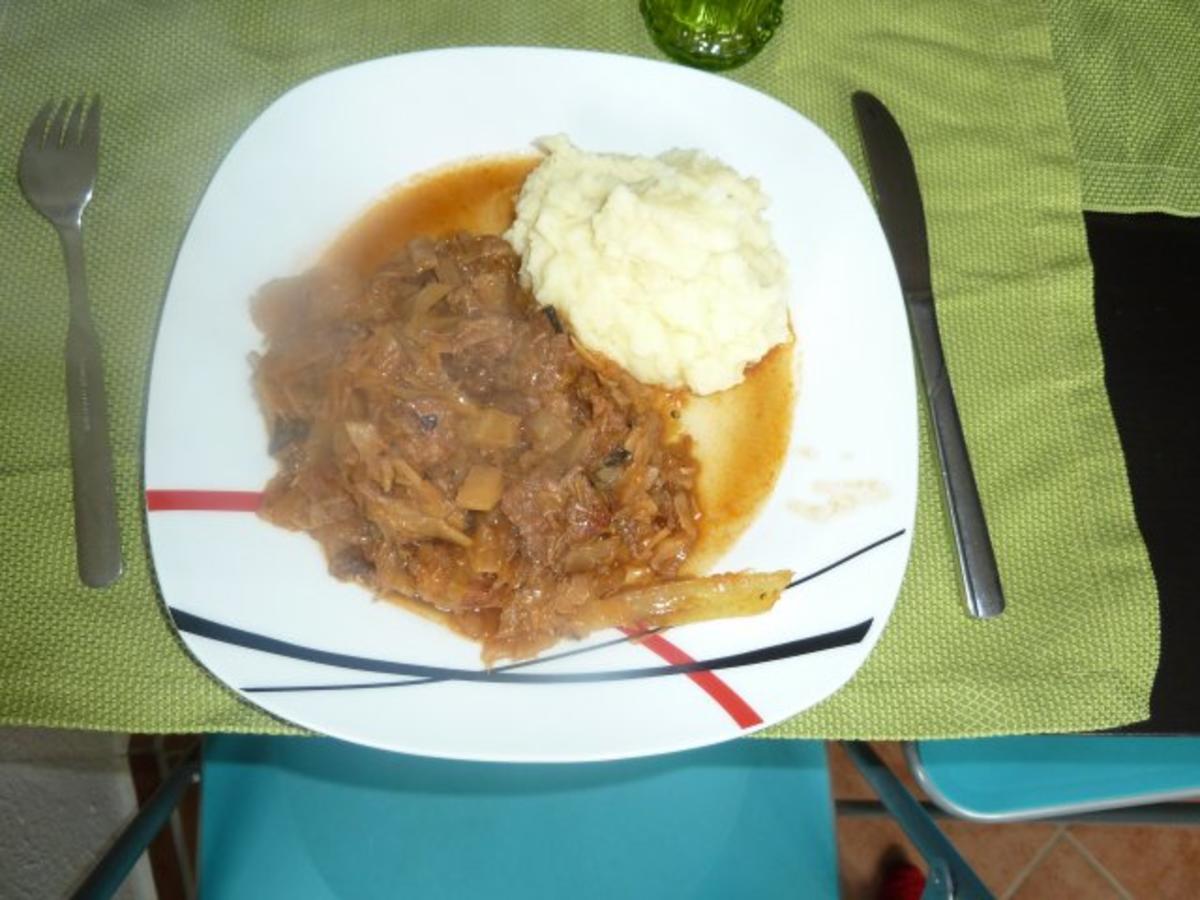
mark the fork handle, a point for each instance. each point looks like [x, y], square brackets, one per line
[97, 532]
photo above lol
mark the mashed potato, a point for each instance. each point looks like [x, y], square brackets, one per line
[665, 265]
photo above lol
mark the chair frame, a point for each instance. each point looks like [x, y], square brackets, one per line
[1160, 808]
[950, 876]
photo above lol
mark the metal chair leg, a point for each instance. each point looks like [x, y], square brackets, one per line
[929, 840]
[104, 880]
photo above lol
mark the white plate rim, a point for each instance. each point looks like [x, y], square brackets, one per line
[196, 647]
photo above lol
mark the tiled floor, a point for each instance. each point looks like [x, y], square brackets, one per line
[1027, 861]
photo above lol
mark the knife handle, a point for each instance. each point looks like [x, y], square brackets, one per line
[980, 575]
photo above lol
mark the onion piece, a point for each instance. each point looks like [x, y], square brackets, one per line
[481, 489]
[691, 600]
[420, 305]
[491, 548]
[496, 429]
[549, 431]
[591, 555]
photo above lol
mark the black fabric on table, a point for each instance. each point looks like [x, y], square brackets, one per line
[1147, 287]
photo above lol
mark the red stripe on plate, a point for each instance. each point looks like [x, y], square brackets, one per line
[248, 501]
[214, 501]
[739, 710]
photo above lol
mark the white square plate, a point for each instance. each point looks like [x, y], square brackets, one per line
[255, 604]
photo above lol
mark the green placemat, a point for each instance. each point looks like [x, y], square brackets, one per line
[1131, 70]
[977, 90]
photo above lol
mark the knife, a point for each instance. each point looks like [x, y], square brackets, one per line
[894, 178]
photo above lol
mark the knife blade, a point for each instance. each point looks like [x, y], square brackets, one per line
[898, 193]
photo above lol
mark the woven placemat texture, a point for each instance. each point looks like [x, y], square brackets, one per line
[978, 92]
[1130, 74]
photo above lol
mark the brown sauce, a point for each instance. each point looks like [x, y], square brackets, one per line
[741, 439]
[479, 196]
[741, 435]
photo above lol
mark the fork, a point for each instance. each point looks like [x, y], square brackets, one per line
[57, 172]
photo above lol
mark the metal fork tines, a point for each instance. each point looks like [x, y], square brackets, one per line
[57, 172]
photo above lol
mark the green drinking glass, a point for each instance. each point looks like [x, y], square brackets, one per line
[712, 34]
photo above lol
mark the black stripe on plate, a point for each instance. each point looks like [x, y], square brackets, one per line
[421, 674]
[845, 559]
[366, 685]
[206, 628]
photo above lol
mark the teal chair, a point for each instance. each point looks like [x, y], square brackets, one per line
[1016, 778]
[749, 819]
[316, 818]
